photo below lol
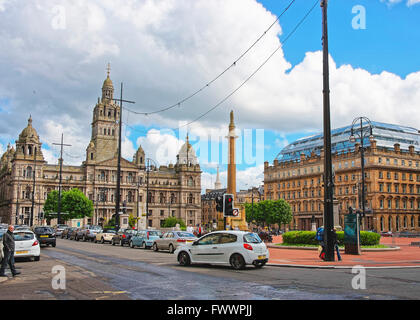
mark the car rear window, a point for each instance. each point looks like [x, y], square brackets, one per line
[252, 238]
[154, 233]
[185, 235]
[23, 236]
[43, 230]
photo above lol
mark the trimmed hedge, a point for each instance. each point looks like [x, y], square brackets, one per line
[308, 237]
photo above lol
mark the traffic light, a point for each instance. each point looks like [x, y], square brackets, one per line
[228, 205]
[219, 204]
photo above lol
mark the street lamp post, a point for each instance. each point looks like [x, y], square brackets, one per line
[365, 132]
[148, 167]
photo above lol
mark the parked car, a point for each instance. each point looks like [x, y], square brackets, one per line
[2, 232]
[88, 233]
[67, 233]
[386, 234]
[26, 245]
[59, 229]
[123, 236]
[171, 240]
[45, 235]
[144, 239]
[73, 233]
[237, 248]
[105, 235]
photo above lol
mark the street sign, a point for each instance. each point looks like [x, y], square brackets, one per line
[235, 212]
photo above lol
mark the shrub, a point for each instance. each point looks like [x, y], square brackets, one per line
[308, 237]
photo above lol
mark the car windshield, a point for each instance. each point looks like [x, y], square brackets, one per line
[43, 230]
[185, 235]
[109, 231]
[23, 236]
[252, 238]
[154, 233]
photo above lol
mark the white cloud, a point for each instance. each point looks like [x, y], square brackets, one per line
[245, 179]
[163, 51]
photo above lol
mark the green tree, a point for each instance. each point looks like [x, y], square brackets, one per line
[51, 204]
[281, 212]
[172, 221]
[132, 221]
[73, 202]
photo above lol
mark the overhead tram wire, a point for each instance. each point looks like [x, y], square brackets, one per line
[258, 69]
[178, 104]
[282, 43]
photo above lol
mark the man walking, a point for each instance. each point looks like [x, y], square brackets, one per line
[8, 253]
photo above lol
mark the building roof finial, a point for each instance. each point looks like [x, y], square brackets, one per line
[108, 69]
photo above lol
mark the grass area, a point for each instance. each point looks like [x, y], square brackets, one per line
[379, 246]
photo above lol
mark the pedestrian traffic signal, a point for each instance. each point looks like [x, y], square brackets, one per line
[228, 205]
[219, 204]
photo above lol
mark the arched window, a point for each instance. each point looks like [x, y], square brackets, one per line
[91, 156]
[29, 150]
[113, 132]
[190, 198]
[109, 132]
[190, 182]
[172, 198]
[29, 172]
[390, 223]
[412, 221]
[161, 198]
[405, 222]
[382, 223]
[398, 224]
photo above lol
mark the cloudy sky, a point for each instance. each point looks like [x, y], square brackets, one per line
[54, 56]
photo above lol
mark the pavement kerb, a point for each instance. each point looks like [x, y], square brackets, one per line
[274, 246]
[336, 267]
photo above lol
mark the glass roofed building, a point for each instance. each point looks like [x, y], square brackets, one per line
[386, 135]
[392, 177]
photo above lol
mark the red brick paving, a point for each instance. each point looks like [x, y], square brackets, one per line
[406, 256]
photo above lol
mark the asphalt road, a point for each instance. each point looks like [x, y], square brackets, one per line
[103, 271]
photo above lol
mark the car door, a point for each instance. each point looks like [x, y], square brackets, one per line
[228, 244]
[206, 249]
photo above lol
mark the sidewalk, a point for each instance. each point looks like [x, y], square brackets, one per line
[406, 256]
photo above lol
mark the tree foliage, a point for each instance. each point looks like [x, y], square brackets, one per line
[73, 202]
[172, 221]
[269, 212]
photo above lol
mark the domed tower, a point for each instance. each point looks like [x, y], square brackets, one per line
[139, 158]
[29, 144]
[104, 138]
[187, 155]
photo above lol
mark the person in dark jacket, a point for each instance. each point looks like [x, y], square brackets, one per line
[8, 253]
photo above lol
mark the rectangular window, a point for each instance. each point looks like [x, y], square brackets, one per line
[381, 175]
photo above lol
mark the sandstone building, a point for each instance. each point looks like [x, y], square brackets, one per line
[174, 190]
[392, 178]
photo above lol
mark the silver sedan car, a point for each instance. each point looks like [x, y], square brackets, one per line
[171, 240]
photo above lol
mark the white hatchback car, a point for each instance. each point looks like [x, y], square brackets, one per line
[237, 248]
[26, 245]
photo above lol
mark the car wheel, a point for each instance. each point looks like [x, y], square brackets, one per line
[237, 262]
[155, 247]
[112, 242]
[171, 248]
[102, 241]
[121, 243]
[37, 258]
[131, 244]
[54, 244]
[259, 265]
[184, 259]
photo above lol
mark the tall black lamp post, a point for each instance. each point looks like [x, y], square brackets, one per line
[364, 132]
[150, 164]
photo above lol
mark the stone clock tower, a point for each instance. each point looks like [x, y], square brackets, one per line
[104, 138]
